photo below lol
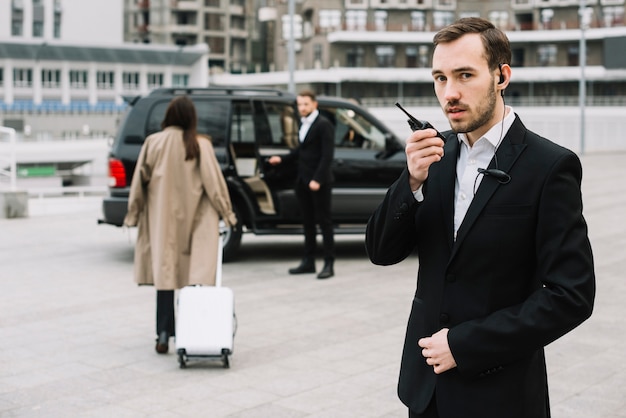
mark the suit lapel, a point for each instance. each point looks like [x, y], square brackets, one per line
[509, 150]
[447, 178]
[308, 133]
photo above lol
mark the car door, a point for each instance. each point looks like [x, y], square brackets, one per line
[368, 159]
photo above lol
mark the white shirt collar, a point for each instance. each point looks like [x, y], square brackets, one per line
[309, 119]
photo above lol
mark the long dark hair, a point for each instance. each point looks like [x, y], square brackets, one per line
[181, 112]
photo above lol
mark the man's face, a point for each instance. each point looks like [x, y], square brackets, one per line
[305, 105]
[464, 85]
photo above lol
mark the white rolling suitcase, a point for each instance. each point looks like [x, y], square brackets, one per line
[205, 322]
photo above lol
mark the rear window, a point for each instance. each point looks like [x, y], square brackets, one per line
[212, 119]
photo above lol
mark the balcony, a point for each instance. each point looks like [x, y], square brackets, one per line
[185, 5]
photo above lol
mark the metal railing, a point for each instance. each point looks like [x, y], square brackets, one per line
[520, 101]
[65, 191]
[7, 157]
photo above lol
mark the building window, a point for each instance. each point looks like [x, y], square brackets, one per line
[212, 3]
[214, 21]
[354, 57]
[445, 3]
[105, 80]
[500, 19]
[37, 29]
[130, 81]
[546, 18]
[78, 79]
[355, 2]
[418, 21]
[51, 79]
[469, 14]
[17, 18]
[356, 20]
[411, 56]
[238, 22]
[330, 20]
[38, 18]
[216, 44]
[57, 19]
[441, 19]
[613, 16]
[180, 80]
[424, 56]
[287, 27]
[22, 77]
[155, 80]
[1, 77]
[385, 56]
[380, 20]
[317, 53]
[546, 55]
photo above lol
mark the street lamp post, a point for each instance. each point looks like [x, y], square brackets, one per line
[291, 47]
[585, 17]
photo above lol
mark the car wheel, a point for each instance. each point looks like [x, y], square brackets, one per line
[232, 238]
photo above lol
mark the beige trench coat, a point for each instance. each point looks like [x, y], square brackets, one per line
[177, 205]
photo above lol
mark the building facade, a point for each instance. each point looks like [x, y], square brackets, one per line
[62, 78]
[382, 48]
[225, 26]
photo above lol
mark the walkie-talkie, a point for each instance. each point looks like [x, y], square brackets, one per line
[417, 124]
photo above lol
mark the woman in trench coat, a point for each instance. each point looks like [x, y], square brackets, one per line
[177, 197]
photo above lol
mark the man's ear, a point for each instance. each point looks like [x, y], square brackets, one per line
[504, 77]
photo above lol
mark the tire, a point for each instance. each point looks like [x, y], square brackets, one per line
[232, 239]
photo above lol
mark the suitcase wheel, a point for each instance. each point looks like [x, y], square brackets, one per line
[225, 353]
[182, 361]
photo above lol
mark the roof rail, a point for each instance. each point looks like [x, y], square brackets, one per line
[221, 90]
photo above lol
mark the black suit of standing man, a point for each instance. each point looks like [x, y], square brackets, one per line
[314, 183]
[505, 264]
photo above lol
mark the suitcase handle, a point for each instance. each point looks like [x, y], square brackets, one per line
[220, 254]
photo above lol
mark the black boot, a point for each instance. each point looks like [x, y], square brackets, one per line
[307, 265]
[162, 345]
[327, 272]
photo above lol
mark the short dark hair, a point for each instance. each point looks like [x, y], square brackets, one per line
[308, 93]
[495, 42]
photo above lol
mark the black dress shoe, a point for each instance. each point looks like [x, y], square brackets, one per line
[306, 266]
[162, 346]
[327, 272]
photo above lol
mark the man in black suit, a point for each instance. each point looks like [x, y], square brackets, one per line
[495, 216]
[314, 182]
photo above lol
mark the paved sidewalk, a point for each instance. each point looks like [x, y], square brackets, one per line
[77, 336]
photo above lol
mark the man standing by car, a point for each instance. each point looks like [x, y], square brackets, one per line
[314, 156]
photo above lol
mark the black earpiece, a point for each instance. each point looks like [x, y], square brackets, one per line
[501, 75]
[500, 175]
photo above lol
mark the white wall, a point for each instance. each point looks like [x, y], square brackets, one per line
[99, 22]
[605, 130]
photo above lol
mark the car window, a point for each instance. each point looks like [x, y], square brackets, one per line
[212, 119]
[283, 125]
[242, 123]
[354, 130]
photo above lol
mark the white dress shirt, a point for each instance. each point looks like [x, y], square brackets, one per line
[471, 158]
[306, 124]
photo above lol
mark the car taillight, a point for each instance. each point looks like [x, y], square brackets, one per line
[117, 174]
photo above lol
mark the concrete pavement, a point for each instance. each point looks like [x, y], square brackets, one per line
[77, 336]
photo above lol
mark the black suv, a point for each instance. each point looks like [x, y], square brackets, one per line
[247, 125]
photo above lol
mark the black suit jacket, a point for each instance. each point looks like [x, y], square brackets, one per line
[519, 275]
[315, 154]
